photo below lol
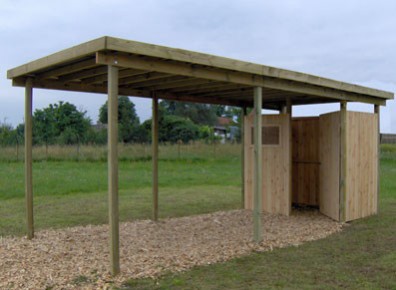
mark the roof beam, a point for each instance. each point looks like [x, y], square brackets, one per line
[177, 68]
[102, 89]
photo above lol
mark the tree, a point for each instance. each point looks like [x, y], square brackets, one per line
[8, 136]
[200, 114]
[127, 119]
[60, 123]
[171, 129]
[175, 128]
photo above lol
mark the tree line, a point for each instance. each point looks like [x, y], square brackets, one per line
[63, 124]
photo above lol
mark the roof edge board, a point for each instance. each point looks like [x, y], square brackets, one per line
[59, 57]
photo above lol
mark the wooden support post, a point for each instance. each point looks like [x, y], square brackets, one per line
[258, 165]
[243, 115]
[343, 160]
[29, 159]
[154, 144]
[288, 109]
[112, 89]
[377, 112]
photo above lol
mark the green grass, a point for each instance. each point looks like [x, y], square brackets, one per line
[69, 193]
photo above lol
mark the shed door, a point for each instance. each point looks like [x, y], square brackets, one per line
[329, 173]
[305, 156]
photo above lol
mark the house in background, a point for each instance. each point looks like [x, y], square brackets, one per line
[226, 130]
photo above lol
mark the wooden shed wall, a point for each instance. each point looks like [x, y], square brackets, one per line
[329, 172]
[362, 159]
[362, 162]
[306, 161]
[276, 166]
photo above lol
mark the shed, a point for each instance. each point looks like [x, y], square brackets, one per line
[303, 159]
[115, 67]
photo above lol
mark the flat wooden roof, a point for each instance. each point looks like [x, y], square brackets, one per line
[183, 75]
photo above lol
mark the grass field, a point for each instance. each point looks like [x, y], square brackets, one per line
[68, 193]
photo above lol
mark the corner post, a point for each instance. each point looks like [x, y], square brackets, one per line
[112, 90]
[343, 160]
[154, 144]
[28, 158]
[288, 109]
[377, 112]
[258, 165]
[243, 115]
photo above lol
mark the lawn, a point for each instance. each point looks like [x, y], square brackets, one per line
[74, 193]
[68, 193]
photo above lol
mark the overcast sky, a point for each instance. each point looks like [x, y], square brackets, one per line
[352, 41]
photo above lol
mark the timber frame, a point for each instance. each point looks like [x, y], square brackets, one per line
[115, 67]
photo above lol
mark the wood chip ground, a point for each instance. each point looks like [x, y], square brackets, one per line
[78, 257]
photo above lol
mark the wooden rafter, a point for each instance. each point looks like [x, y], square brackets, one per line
[148, 76]
[126, 73]
[101, 70]
[67, 69]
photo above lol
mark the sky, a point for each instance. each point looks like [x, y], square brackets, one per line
[352, 41]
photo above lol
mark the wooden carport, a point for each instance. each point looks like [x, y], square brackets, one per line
[121, 67]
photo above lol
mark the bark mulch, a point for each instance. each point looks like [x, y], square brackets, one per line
[78, 257]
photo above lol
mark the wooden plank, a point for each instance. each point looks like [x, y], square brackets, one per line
[154, 144]
[29, 159]
[377, 113]
[236, 65]
[113, 168]
[329, 173]
[343, 160]
[130, 61]
[258, 166]
[353, 166]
